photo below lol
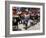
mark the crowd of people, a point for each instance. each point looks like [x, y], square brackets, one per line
[25, 16]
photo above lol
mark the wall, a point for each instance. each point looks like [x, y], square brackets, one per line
[2, 19]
